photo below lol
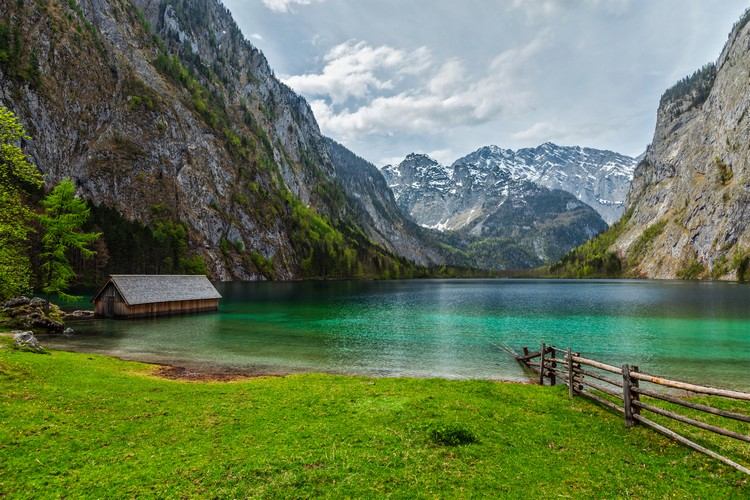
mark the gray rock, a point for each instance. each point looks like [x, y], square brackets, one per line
[26, 341]
[80, 314]
[17, 301]
[38, 302]
[69, 332]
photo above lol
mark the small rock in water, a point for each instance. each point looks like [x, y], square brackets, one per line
[25, 341]
[80, 315]
[69, 332]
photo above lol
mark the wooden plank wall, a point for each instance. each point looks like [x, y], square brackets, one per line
[165, 308]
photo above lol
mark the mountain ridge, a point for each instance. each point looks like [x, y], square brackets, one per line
[162, 111]
[599, 178]
[488, 199]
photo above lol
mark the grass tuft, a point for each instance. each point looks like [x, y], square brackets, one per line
[452, 435]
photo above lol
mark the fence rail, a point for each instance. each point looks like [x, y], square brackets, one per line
[621, 392]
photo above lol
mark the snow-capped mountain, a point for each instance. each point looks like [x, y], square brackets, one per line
[509, 203]
[453, 197]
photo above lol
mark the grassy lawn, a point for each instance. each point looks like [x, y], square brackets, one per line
[79, 425]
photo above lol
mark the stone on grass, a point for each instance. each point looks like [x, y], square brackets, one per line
[25, 341]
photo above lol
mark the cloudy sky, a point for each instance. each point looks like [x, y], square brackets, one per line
[444, 77]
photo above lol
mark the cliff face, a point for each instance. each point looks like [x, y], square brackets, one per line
[377, 211]
[689, 205]
[161, 110]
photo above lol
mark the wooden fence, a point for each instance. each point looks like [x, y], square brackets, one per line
[595, 380]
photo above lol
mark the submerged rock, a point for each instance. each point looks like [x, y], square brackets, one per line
[26, 341]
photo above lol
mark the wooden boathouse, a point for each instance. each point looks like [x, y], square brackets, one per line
[141, 296]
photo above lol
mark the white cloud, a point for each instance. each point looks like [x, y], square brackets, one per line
[443, 156]
[256, 36]
[538, 132]
[286, 5]
[546, 8]
[362, 90]
[356, 69]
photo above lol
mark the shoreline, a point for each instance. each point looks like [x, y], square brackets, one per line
[213, 372]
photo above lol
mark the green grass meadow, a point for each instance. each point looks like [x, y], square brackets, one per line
[78, 425]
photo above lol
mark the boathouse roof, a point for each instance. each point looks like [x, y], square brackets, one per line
[154, 288]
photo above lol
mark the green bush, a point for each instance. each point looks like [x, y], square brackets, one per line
[262, 264]
[724, 171]
[741, 263]
[693, 269]
[452, 435]
[720, 267]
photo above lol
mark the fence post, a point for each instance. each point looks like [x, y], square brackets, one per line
[553, 365]
[541, 364]
[571, 389]
[627, 396]
[634, 396]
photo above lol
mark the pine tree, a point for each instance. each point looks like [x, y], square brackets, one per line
[64, 216]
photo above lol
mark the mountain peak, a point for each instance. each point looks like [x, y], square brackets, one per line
[421, 157]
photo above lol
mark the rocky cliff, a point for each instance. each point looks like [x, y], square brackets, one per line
[162, 111]
[689, 207]
[377, 211]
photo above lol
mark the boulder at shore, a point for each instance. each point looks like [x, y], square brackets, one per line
[36, 314]
[25, 341]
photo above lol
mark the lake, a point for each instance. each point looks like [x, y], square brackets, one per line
[693, 331]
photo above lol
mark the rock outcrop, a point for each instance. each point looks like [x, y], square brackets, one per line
[378, 212]
[35, 314]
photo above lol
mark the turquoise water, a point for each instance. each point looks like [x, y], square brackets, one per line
[447, 328]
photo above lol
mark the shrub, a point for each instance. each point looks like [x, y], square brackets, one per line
[720, 267]
[262, 264]
[452, 435]
[724, 171]
[692, 270]
[741, 262]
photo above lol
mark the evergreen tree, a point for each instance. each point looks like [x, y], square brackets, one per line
[18, 178]
[64, 216]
